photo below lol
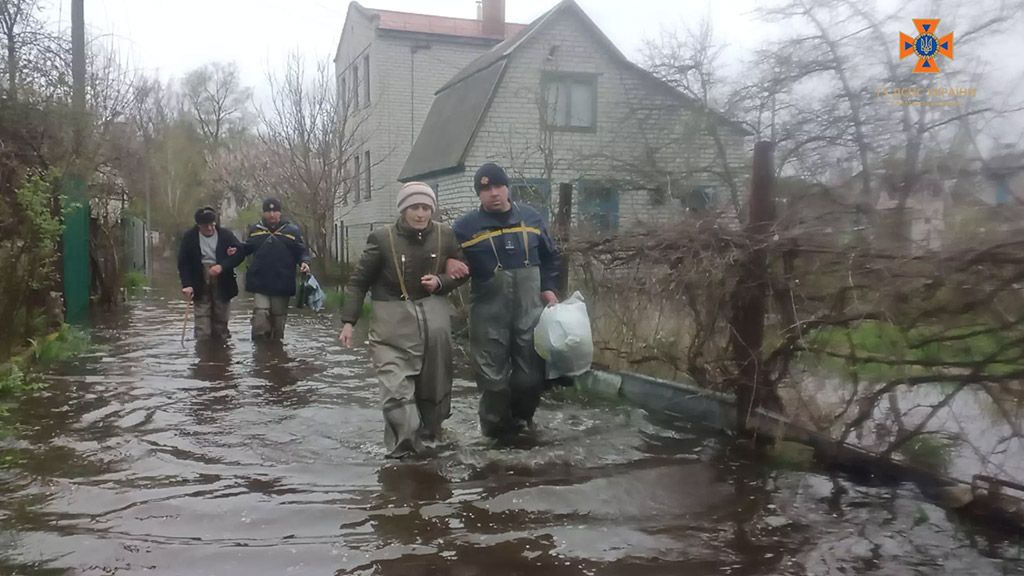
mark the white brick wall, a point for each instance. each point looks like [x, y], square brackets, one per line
[357, 40]
[637, 126]
[405, 72]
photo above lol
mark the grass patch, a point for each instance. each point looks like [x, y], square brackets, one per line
[134, 282]
[930, 452]
[336, 301]
[17, 379]
[15, 384]
[921, 516]
[885, 351]
[784, 455]
[66, 343]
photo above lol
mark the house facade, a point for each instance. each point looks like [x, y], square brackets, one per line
[388, 66]
[559, 103]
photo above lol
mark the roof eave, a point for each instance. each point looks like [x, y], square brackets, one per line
[436, 173]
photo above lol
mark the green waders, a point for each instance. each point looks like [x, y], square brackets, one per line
[509, 373]
[411, 348]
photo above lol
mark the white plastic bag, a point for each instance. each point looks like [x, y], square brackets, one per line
[563, 339]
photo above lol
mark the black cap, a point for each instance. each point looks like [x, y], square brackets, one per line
[271, 205]
[490, 174]
[206, 215]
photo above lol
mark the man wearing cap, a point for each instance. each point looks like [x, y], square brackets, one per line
[513, 265]
[276, 248]
[409, 267]
[207, 259]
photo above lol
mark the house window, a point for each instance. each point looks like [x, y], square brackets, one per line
[366, 80]
[357, 174]
[347, 183]
[535, 192]
[366, 169]
[344, 95]
[355, 86]
[598, 205]
[571, 101]
[337, 243]
[700, 199]
[344, 242]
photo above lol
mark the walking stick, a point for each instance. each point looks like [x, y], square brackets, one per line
[184, 325]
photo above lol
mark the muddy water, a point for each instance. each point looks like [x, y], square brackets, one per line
[147, 457]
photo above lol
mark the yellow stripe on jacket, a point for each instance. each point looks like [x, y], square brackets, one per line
[486, 235]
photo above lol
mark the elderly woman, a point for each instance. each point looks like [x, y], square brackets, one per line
[408, 268]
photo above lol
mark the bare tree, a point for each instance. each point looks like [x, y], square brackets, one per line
[690, 62]
[306, 146]
[825, 87]
[909, 335]
[216, 99]
[12, 18]
[36, 60]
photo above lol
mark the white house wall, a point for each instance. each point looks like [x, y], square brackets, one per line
[511, 129]
[405, 72]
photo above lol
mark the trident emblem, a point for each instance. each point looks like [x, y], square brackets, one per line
[926, 45]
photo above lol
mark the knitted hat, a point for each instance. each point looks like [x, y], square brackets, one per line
[416, 193]
[205, 215]
[490, 174]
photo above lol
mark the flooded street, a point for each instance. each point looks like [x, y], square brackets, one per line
[147, 457]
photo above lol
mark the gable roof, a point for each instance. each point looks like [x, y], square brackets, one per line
[451, 124]
[429, 24]
[428, 157]
[505, 48]
[395, 21]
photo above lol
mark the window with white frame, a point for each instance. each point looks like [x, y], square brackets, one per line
[366, 170]
[355, 86]
[343, 89]
[570, 101]
[366, 80]
[357, 174]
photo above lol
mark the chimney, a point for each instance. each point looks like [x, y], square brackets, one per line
[492, 13]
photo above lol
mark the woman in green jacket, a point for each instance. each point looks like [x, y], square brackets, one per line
[408, 268]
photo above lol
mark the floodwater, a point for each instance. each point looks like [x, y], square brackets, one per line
[149, 457]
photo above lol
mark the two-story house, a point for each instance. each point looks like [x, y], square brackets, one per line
[388, 66]
[559, 103]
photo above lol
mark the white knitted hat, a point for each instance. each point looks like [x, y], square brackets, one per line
[416, 193]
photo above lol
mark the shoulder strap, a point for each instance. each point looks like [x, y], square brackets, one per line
[398, 269]
[440, 255]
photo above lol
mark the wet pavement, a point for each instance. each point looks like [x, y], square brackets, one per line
[149, 457]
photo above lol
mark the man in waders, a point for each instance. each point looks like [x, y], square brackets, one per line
[514, 267]
[408, 268]
[206, 266]
[276, 247]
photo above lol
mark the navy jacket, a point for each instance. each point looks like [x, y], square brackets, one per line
[515, 239]
[190, 263]
[275, 254]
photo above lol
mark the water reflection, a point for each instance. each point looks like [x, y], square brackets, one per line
[282, 373]
[219, 394]
[214, 362]
[266, 460]
[406, 491]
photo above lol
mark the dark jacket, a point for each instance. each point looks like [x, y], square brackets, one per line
[514, 239]
[378, 271]
[275, 254]
[190, 263]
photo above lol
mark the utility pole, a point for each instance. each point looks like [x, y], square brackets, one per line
[77, 277]
[750, 295]
[563, 225]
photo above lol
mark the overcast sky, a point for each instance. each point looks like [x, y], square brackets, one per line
[176, 36]
[172, 37]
